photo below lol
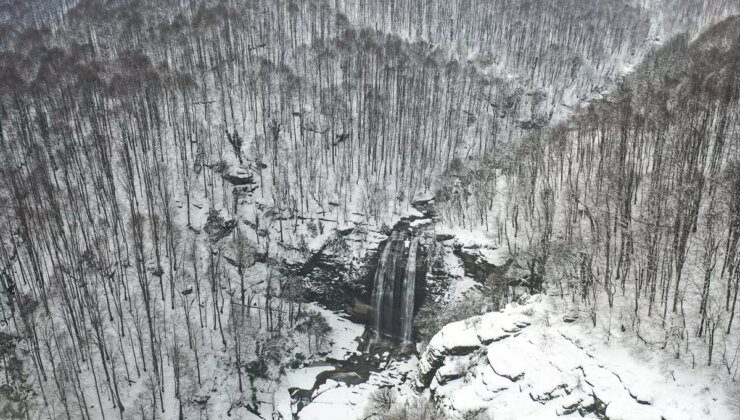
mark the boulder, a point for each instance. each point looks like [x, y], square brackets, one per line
[238, 177]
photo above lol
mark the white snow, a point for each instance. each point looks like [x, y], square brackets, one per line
[497, 257]
[344, 342]
[466, 238]
[412, 212]
[350, 402]
[550, 368]
[304, 378]
[345, 334]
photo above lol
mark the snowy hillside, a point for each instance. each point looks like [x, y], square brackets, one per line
[388, 209]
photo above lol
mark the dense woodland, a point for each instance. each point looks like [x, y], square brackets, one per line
[633, 201]
[609, 166]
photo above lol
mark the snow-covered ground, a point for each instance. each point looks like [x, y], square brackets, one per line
[336, 400]
[531, 362]
[344, 342]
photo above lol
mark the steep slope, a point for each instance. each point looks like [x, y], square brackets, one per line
[165, 166]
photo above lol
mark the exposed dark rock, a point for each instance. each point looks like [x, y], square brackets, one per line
[253, 410]
[596, 407]
[426, 207]
[349, 378]
[638, 399]
[488, 340]
[570, 408]
[422, 202]
[217, 228]
[345, 231]
[533, 124]
[475, 267]
[87, 256]
[244, 190]
[218, 167]
[354, 370]
[450, 373]
[570, 317]
[550, 395]
[300, 397]
[327, 276]
[201, 400]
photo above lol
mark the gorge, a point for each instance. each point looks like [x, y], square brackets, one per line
[371, 210]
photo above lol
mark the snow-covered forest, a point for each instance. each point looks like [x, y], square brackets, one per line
[369, 209]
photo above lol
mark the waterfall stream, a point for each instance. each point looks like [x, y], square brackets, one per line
[393, 288]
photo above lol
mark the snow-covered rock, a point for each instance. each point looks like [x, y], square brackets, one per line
[239, 177]
[524, 363]
[464, 337]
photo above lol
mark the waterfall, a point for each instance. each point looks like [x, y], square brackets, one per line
[393, 288]
[379, 283]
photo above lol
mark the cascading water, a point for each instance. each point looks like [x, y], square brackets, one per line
[393, 288]
[380, 280]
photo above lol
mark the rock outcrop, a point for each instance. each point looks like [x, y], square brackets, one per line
[465, 337]
[238, 177]
[527, 362]
[217, 227]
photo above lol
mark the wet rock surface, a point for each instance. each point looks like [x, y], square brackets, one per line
[409, 236]
[477, 266]
[327, 275]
